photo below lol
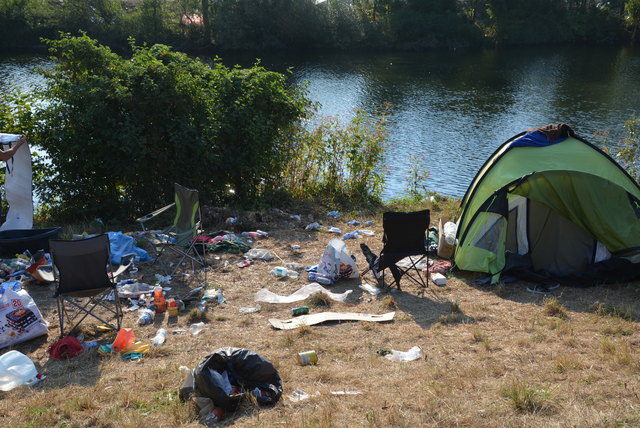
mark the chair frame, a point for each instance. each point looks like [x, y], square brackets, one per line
[396, 249]
[182, 250]
[96, 293]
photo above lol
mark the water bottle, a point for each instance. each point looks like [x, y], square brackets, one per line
[16, 369]
[281, 271]
[146, 317]
[161, 336]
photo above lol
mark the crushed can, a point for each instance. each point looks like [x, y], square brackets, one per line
[308, 358]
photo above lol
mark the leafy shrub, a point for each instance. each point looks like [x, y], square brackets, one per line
[119, 132]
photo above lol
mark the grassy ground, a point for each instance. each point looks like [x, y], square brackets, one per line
[493, 355]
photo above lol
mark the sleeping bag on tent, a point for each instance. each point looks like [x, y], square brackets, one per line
[548, 202]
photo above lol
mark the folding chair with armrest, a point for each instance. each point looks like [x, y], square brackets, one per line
[404, 237]
[83, 271]
[182, 234]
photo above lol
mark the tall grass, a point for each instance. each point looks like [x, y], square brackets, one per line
[337, 162]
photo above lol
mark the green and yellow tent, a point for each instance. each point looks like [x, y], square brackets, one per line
[548, 201]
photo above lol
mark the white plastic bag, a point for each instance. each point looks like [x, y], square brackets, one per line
[336, 263]
[412, 354]
[20, 318]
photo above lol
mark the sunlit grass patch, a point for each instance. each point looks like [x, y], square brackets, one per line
[528, 398]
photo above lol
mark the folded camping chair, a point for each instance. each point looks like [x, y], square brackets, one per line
[404, 236]
[182, 237]
[85, 281]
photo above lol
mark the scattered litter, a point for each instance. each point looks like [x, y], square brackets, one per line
[294, 266]
[334, 214]
[351, 235]
[265, 295]
[313, 226]
[328, 316]
[281, 272]
[256, 308]
[542, 289]
[295, 247]
[179, 331]
[308, 358]
[346, 392]
[130, 289]
[17, 369]
[411, 355]
[334, 229]
[243, 263]
[196, 328]
[353, 223]
[258, 254]
[374, 291]
[302, 310]
[67, 347]
[146, 317]
[439, 279]
[368, 223]
[214, 294]
[295, 217]
[162, 279]
[133, 307]
[298, 395]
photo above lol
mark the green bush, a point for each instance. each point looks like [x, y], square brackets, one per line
[118, 132]
[338, 163]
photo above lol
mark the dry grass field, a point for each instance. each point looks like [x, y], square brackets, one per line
[493, 355]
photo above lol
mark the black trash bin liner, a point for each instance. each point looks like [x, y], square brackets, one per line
[245, 369]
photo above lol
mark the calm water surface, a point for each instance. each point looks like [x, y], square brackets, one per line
[452, 109]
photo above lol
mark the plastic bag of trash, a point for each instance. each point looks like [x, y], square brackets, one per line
[336, 263]
[228, 373]
[258, 254]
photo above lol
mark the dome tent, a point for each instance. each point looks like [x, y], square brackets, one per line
[549, 202]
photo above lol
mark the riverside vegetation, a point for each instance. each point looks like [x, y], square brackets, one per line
[330, 24]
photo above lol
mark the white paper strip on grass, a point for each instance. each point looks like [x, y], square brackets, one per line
[412, 354]
[267, 296]
[313, 319]
[18, 185]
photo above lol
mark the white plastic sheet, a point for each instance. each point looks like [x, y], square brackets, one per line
[267, 296]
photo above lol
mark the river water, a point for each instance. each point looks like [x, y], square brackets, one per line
[451, 109]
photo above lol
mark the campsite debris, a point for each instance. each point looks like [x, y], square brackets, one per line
[146, 317]
[308, 358]
[295, 217]
[450, 229]
[542, 289]
[172, 308]
[67, 347]
[213, 418]
[368, 223]
[160, 337]
[313, 226]
[193, 294]
[179, 331]
[124, 338]
[196, 328]
[281, 272]
[131, 289]
[20, 318]
[334, 229]
[441, 266]
[298, 395]
[321, 279]
[374, 291]
[159, 302]
[354, 223]
[17, 369]
[90, 345]
[345, 392]
[295, 247]
[267, 296]
[336, 263]
[302, 310]
[256, 308]
[321, 317]
[259, 254]
[294, 266]
[334, 214]
[411, 355]
[439, 279]
[243, 263]
[162, 279]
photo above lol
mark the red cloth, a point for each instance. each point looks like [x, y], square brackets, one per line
[67, 347]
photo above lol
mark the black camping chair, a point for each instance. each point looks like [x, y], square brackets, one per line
[85, 280]
[404, 236]
[183, 234]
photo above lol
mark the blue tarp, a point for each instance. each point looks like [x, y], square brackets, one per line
[122, 245]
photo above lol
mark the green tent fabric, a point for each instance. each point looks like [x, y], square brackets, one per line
[560, 206]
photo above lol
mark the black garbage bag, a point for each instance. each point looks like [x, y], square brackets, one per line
[244, 370]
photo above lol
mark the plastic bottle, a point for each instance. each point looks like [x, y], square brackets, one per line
[161, 336]
[196, 328]
[158, 300]
[146, 316]
[281, 271]
[16, 369]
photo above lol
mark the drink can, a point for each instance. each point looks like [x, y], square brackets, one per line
[308, 358]
[300, 311]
